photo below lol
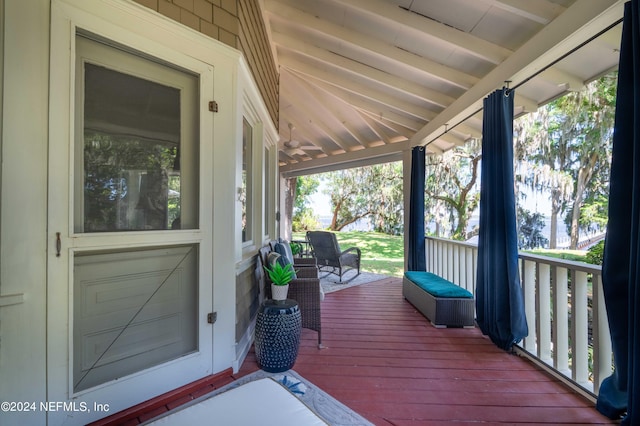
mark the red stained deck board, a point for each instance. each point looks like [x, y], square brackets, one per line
[386, 361]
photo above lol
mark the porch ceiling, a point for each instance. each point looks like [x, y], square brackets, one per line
[363, 80]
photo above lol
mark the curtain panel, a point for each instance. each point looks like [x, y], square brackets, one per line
[620, 392]
[417, 251]
[499, 296]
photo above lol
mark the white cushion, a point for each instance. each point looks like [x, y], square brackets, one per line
[260, 402]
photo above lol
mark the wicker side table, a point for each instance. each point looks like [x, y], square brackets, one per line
[277, 335]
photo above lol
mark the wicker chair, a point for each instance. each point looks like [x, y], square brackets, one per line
[305, 289]
[326, 250]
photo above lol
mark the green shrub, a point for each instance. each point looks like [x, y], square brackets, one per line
[595, 253]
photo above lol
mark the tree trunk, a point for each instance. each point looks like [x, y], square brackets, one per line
[584, 175]
[290, 195]
[555, 209]
[334, 218]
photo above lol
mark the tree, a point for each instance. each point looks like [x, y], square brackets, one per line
[373, 192]
[564, 148]
[451, 189]
[530, 227]
[303, 217]
[388, 215]
[590, 114]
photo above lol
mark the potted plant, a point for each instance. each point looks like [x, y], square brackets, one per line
[280, 277]
[296, 249]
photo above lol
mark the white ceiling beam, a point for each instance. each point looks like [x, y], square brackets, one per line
[292, 16]
[559, 77]
[396, 83]
[352, 85]
[313, 90]
[540, 11]
[315, 117]
[386, 123]
[459, 39]
[376, 108]
[300, 131]
[375, 127]
[529, 105]
[576, 24]
[365, 157]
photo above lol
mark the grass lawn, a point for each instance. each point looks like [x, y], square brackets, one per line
[575, 255]
[381, 253]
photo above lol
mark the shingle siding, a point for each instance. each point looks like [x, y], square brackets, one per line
[237, 23]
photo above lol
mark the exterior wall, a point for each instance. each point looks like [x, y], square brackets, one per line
[254, 43]
[217, 19]
[23, 234]
[237, 23]
[34, 313]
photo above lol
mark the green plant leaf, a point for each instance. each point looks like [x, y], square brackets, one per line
[280, 275]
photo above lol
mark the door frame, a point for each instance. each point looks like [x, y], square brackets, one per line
[136, 27]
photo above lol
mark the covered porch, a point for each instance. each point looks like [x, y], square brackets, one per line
[386, 361]
[321, 85]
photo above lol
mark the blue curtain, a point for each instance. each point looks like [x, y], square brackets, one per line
[499, 297]
[621, 266]
[417, 252]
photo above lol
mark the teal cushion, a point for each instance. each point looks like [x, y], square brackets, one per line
[437, 286]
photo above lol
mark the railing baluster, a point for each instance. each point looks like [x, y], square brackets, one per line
[529, 287]
[544, 313]
[580, 328]
[561, 321]
[455, 277]
[449, 275]
[602, 358]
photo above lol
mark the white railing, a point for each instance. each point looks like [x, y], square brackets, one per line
[564, 306]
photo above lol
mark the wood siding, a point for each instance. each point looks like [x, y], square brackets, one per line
[247, 294]
[237, 23]
[254, 44]
[216, 18]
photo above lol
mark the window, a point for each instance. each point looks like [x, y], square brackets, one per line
[267, 183]
[247, 181]
[134, 169]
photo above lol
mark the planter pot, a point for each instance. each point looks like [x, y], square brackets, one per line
[279, 292]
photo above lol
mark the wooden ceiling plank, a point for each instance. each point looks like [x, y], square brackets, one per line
[292, 16]
[559, 77]
[568, 30]
[350, 85]
[540, 11]
[469, 43]
[382, 121]
[376, 108]
[400, 84]
[318, 118]
[375, 127]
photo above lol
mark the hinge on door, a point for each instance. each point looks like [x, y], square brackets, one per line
[212, 317]
[213, 106]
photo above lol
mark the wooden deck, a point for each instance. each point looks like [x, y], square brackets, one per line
[385, 361]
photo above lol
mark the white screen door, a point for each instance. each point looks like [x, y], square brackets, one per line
[133, 249]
